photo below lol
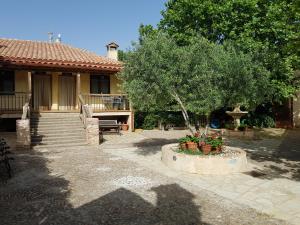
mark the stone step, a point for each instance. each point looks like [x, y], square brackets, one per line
[55, 115]
[57, 137]
[59, 142]
[56, 146]
[57, 125]
[61, 131]
[56, 121]
[55, 133]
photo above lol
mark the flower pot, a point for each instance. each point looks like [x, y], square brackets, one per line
[192, 146]
[206, 149]
[124, 127]
[183, 146]
[218, 150]
[200, 144]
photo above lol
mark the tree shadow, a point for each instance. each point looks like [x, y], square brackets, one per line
[37, 196]
[174, 206]
[282, 161]
[152, 146]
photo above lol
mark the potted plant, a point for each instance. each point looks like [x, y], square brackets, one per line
[216, 144]
[182, 143]
[192, 143]
[124, 126]
[206, 148]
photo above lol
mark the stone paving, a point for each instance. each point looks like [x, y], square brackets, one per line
[272, 184]
[90, 185]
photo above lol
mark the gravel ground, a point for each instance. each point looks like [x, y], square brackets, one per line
[86, 186]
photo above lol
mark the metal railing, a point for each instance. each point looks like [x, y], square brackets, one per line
[13, 101]
[107, 102]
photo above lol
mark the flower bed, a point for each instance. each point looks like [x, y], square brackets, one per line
[230, 160]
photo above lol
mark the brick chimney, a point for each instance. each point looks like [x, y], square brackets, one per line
[112, 50]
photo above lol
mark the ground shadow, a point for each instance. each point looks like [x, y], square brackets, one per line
[282, 161]
[36, 196]
[152, 146]
[174, 206]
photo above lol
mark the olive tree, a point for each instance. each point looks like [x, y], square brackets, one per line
[197, 78]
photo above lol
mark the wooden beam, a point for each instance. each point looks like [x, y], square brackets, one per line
[78, 89]
[29, 82]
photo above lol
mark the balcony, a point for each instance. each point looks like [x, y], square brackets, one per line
[106, 102]
[13, 102]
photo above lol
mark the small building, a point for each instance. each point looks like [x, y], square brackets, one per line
[56, 77]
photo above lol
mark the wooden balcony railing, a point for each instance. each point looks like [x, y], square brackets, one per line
[13, 101]
[106, 102]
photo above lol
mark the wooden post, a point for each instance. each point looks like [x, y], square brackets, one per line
[29, 82]
[78, 89]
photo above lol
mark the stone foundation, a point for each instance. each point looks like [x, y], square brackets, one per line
[204, 164]
[92, 131]
[23, 141]
[241, 134]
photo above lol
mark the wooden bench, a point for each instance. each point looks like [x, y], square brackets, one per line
[109, 124]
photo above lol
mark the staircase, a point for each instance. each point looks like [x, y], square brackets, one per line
[57, 130]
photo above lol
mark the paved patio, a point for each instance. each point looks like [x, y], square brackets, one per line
[272, 184]
[124, 182]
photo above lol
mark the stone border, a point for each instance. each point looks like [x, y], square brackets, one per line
[210, 164]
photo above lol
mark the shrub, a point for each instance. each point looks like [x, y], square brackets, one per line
[259, 120]
[150, 121]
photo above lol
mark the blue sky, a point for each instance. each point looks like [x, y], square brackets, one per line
[88, 24]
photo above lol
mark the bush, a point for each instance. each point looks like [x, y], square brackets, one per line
[259, 120]
[150, 121]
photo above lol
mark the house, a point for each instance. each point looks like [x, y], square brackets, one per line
[55, 77]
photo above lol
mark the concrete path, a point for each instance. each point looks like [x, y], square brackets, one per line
[89, 186]
[272, 184]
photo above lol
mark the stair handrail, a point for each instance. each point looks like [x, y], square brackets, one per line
[26, 108]
[85, 110]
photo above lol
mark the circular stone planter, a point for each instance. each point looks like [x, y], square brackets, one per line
[232, 161]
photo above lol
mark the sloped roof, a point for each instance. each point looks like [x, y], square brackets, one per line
[44, 54]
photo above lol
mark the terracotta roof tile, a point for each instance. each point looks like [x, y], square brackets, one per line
[23, 52]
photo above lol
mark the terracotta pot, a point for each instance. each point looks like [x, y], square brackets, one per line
[206, 149]
[192, 146]
[183, 146]
[124, 127]
[217, 150]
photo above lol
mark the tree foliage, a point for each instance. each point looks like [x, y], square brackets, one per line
[199, 77]
[269, 29]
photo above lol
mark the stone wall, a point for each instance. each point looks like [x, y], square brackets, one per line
[23, 134]
[92, 131]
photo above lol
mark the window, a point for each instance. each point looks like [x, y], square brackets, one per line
[100, 84]
[7, 82]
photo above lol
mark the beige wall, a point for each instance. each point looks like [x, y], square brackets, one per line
[85, 83]
[21, 82]
[115, 84]
[55, 90]
[296, 110]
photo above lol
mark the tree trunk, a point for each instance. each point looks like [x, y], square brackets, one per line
[184, 112]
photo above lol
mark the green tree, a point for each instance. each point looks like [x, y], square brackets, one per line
[269, 29]
[159, 74]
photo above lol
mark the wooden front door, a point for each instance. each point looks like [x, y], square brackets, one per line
[42, 95]
[67, 92]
